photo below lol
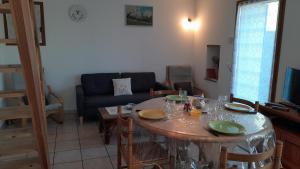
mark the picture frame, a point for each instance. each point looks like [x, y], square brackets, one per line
[9, 30]
[136, 15]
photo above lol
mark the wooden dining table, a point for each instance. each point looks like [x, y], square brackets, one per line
[182, 126]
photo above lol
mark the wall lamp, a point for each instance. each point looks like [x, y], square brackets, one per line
[190, 24]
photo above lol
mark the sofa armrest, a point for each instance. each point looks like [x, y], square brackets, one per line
[80, 100]
[160, 86]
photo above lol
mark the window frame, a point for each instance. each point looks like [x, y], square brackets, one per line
[278, 42]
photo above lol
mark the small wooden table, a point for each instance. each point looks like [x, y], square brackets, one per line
[107, 122]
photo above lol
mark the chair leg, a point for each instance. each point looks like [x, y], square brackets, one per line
[119, 162]
[24, 123]
[58, 116]
[81, 120]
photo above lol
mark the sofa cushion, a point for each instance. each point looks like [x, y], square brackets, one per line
[99, 83]
[110, 100]
[141, 82]
[122, 86]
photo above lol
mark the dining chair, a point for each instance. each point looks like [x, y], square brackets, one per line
[243, 101]
[162, 92]
[273, 155]
[140, 154]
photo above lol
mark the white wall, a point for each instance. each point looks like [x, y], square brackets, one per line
[290, 55]
[218, 21]
[103, 43]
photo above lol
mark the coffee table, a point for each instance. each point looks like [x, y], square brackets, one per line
[107, 122]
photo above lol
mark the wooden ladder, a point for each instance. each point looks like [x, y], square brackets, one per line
[28, 146]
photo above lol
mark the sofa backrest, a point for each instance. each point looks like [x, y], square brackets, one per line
[141, 81]
[99, 83]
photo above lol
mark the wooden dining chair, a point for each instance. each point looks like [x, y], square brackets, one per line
[274, 155]
[243, 101]
[138, 155]
[162, 92]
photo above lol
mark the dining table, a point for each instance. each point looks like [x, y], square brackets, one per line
[190, 132]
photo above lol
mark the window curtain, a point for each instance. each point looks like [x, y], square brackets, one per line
[253, 52]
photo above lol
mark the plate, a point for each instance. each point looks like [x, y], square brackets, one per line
[227, 127]
[176, 98]
[238, 107]
[152, 114]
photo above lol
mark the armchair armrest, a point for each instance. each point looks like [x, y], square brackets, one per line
[80, 100]
[56, 98]
[160, 86]
[197, 91]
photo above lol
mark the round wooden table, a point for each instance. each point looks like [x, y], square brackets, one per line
[193, 128]
[184, 127]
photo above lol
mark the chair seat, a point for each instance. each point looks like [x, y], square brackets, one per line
[146, 153]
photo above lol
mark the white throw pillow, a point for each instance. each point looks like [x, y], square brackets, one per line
[122, 86]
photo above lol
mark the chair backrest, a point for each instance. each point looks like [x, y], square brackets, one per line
[179, 73]
[273, 154]
[243, 101]
[125, 139]
[163, 92]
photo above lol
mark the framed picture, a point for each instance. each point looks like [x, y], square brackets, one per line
[9, 29]
[139, 15]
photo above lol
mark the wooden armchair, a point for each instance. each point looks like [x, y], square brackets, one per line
[274, 155]
[55, 107]
[243, 101]
[137, 155]
[163, 92]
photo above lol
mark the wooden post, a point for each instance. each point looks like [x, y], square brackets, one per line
[23, 18]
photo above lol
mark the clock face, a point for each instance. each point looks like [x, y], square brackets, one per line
[77, 13]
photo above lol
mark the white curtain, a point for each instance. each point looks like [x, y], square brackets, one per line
[254, 50]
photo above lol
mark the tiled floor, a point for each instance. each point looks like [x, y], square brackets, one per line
[79, 147]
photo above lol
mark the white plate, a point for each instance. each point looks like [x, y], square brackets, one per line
[238, 107]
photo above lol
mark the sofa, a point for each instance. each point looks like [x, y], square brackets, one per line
[96, 90]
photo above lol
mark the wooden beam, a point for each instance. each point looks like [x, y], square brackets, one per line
[5, 8]
[17, 148]
[12, 93]
[12, 113]
[12, 134]
[23, 14]
[10, 68]
[8, 41]
[28, 163]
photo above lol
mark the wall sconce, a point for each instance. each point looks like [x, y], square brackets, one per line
[189, 24]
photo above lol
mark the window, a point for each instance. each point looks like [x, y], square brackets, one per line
[255, 49]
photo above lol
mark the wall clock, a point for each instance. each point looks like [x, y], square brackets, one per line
[77, 13]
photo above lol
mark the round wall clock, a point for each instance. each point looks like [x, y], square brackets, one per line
[77, 13]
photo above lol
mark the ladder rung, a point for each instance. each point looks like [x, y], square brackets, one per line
[17, 148]
[4, 8]
[9, 41]
[12, 93]
[28, 163]
[12, 134]
[11, 113]
[10, 68]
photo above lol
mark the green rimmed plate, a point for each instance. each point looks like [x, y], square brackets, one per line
[227, 127]
[176, 98]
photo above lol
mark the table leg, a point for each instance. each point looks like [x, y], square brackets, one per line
[172, 153]
[107, 126]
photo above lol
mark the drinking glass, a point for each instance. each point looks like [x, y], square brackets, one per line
[182, 95]
[170, 108]
[221, 102]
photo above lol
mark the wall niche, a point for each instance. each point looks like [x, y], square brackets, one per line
[212, 62]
